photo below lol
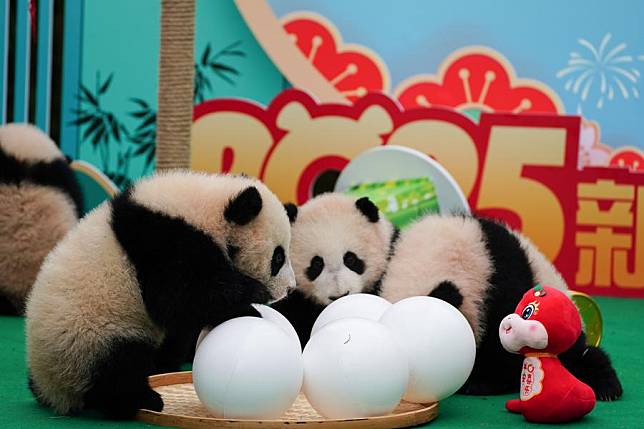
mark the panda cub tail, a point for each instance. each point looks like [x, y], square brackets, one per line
[593, 366]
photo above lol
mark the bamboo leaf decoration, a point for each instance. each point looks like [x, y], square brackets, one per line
[87, 96]
[106, 85]
[214, 62]
[101, 126]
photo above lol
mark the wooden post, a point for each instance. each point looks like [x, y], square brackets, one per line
[176, 80]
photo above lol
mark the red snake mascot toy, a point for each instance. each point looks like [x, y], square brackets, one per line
[545, 324]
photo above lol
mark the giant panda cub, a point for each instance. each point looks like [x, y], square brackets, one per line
[176, 252]
[339, 246]
[483, 268]
[40, 201]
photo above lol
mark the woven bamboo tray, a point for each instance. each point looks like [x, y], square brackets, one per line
[183, 409]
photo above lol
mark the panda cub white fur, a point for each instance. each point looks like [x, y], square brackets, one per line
[483, 268]
[339, 246]
[40, 201]
[140, 275]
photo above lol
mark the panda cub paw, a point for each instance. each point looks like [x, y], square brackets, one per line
[216, 318]
[151, 400]
[593, 366]
[126, 405]
[242, 311]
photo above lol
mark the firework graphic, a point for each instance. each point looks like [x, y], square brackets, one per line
[603, 72]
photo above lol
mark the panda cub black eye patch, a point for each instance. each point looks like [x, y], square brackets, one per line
[277, 262]
[315, 269]
[352, 262]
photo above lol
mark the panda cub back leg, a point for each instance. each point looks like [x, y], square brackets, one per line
[120, 381]
[593, 366]
[482, 381]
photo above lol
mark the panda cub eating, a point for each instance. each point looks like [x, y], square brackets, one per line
[144, 272]
[339, 246]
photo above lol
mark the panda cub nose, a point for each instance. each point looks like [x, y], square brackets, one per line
[333, 298]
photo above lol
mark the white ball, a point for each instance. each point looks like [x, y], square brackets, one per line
[202, 335]
[276, 317]
[270, 315]
[439, 343]
[361, 305]
[354, 368]
[247, 368]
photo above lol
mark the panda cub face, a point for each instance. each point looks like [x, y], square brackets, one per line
[239, 214]
[339, 246]
[258, 240]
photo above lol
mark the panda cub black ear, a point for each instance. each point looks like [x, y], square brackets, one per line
[244, 207]
[291, 211]
[368, 209]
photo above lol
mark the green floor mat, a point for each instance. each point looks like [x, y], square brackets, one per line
[623, 339]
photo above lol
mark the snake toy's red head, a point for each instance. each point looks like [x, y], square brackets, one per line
[545, 321]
